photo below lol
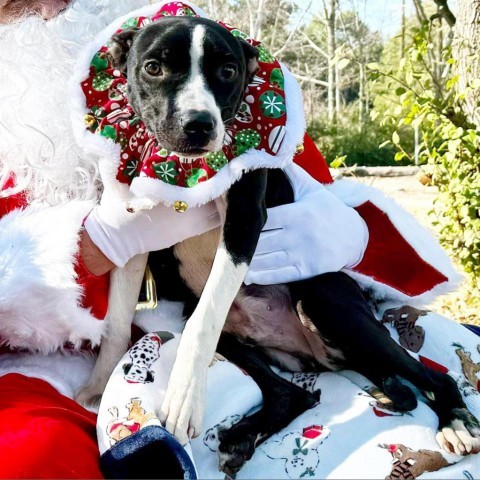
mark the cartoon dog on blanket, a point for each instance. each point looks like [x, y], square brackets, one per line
[161, 97]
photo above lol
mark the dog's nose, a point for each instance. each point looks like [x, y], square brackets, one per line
[199, 123]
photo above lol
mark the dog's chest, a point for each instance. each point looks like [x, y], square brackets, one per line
[195, 256]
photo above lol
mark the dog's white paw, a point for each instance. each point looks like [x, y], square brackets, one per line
[457, 438]
[89, 396]
[182, 410]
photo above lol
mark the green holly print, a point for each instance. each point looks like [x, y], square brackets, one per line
[102, 82]
[134, 121]
[187, 11]
[130, 23]
[300, 447]
[238, 33]
[216, 160]
[195, 176]
[109, 132]
[166, 171]
[309, 472]
[277, 79]
[272, 104]
[99, 62]
[264, 55]
[245, 140]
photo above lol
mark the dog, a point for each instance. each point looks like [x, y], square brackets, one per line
[186, 77]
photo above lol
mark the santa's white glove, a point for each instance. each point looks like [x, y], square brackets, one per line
[121, 235]
[316, 234]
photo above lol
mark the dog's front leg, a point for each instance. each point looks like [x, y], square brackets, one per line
[182, 409]
[125, 284]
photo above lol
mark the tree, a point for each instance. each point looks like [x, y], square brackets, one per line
[466, 50]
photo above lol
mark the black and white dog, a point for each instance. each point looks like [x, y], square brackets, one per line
[186, 79]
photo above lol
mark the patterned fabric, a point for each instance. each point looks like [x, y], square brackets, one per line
[353, 432]
[260, 123]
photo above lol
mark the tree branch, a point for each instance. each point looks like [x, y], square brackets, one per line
[293, 31]
[444, 12]
[314, 45]
[310, 79]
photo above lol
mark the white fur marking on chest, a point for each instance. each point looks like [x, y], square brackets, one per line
[195, 95]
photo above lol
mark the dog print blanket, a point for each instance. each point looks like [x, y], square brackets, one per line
[351, 433]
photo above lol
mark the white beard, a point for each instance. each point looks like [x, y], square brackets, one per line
[36, 139]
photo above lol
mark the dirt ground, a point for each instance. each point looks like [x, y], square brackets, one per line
[408, 192]
[418, 200]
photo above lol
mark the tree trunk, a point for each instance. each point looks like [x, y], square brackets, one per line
[466, 50]
[331, 55]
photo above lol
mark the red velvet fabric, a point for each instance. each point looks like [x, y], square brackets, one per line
[95, 290]
[389, 259]
[44, 434]
[313, 161]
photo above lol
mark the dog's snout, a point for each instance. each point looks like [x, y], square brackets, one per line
[201, 122]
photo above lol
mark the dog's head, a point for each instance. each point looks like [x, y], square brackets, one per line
[13, 10]
[186, 80]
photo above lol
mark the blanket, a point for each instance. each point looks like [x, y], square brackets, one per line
[351, 433]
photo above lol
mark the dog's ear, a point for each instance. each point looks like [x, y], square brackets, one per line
[126, 368]
[120, 47]
[150, 377]
[251, 57]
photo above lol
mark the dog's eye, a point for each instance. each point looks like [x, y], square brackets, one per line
[228, 71]
[153, 69]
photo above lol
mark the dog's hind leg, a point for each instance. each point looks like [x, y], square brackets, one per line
[125, 284]
[336, 306]
[282, 402]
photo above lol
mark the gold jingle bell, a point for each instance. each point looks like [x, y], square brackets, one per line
[180, 207]
[89, 120]
[300, 149]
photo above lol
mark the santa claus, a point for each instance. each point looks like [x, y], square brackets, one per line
[54, 271]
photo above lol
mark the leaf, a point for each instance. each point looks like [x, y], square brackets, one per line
[373, 66]
[395, 138]
[409, 77]
[400, 91]
[342, 63]
[384, 144]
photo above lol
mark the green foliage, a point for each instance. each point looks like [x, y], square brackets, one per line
[360, 146]
[449, 146]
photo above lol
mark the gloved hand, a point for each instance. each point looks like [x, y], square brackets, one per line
[314, 235]
[121, 235]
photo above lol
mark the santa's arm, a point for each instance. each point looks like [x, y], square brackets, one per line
[399, 259]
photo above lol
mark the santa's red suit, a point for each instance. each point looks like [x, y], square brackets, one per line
[45, 434]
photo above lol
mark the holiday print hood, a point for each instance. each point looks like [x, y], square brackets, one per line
[266, 132]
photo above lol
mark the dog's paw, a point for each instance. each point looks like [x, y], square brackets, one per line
[461, 435]
[182, 409]
[89, 396]
[235, 449]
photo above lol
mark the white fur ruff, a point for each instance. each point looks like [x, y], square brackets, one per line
[39, 296]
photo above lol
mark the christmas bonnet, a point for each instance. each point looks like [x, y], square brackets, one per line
[265, 133]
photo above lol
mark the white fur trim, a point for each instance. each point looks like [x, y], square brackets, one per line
[421, 240]
[65, 371]
[39, 296]
[149, 190]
